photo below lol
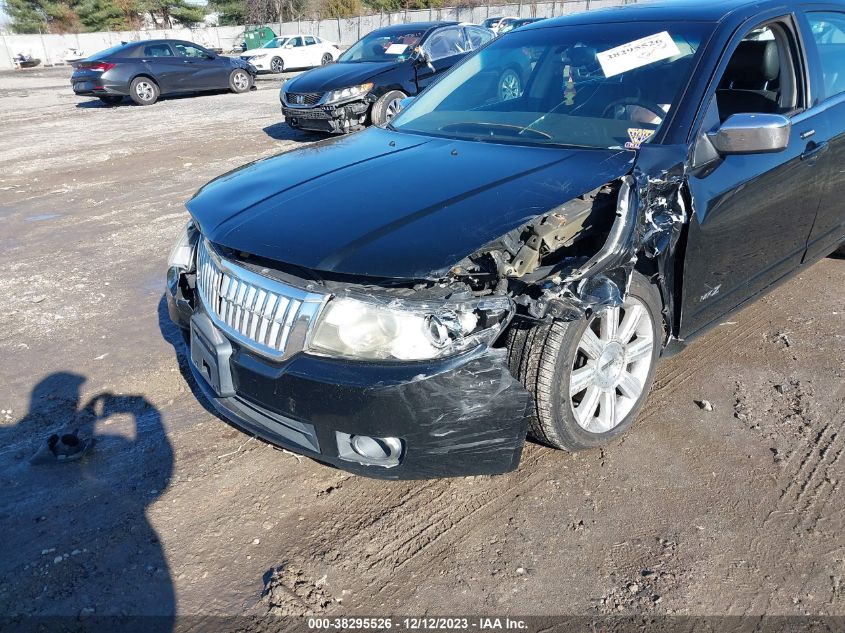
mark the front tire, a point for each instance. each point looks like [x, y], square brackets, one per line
[386, 107]
[277, 65]
[326, 59]
[144, 91]
[591, 378]
[239, 81]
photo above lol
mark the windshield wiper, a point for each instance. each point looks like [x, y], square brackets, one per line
[494, 129]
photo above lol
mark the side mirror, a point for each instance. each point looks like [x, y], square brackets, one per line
[288, 45]
[752, 134]
[425, 58]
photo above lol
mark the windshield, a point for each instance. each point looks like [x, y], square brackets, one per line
[599, 86]
[276, 43]
[381, 46]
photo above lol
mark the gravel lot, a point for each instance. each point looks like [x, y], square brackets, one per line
[734, 511]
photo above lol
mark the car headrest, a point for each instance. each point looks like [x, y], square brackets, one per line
[754, 61]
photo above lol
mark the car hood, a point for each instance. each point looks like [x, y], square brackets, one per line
[388, 204]
[337, 75]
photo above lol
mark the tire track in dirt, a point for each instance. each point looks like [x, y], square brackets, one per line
[807, 482]
[815, 479]
[705, 352]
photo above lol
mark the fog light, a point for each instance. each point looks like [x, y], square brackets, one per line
[372, 451]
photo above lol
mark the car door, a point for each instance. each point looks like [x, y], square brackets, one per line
[313, 51]
[296, 53]
[160, 61]
[203, 70]
[445, 47]
[752, 213]
[826, 32]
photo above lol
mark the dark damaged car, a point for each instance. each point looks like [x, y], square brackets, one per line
[370, 79]
[412, 301]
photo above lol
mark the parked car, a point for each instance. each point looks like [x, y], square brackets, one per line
[146, 70]
[375, 74]
[515, 24]
[292, 51]
[409, 301]
[497, 23]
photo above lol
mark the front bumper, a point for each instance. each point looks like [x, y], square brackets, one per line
[461, 416]
[333, 119]
[261, 64]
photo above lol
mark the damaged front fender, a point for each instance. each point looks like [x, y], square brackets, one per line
[577, 272]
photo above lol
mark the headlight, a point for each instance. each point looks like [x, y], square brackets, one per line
[398, 330]
[349, 93]
[182, 253]
[258, 56]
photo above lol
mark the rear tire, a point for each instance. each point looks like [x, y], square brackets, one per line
[386, 107]
[111, 99]
[144, 91]
[326, 59]
[239, 81]
[277, 65]
[584, 400]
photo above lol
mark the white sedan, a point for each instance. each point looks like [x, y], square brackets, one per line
[292, 51]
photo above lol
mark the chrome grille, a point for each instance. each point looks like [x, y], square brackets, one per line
[263, 314]
[303, 98]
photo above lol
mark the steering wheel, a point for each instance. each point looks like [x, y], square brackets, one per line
[610, 111]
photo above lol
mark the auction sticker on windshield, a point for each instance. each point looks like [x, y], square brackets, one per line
[642, 52]
[396, 49]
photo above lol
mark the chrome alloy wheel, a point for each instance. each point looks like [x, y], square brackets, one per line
[241, 80]
[392, 109]
[510, 86]
[144, 90]
[611, 366]
[277, 65]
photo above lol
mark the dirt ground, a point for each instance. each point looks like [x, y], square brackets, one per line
[734, 511]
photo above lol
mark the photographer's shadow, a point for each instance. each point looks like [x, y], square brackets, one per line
[93, 508]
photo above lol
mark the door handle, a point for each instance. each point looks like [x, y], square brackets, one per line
[815, 151]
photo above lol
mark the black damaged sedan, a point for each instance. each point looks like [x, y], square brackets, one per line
[368, 81]
[413, 301]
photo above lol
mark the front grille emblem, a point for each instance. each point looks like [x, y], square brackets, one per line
[299, 99]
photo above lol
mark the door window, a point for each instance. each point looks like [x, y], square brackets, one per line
[187, 50]
[296, 42]
[829, 35]
[761, 75]
[309, 41]
[478, 37]
[446, 43]
[157, 50]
